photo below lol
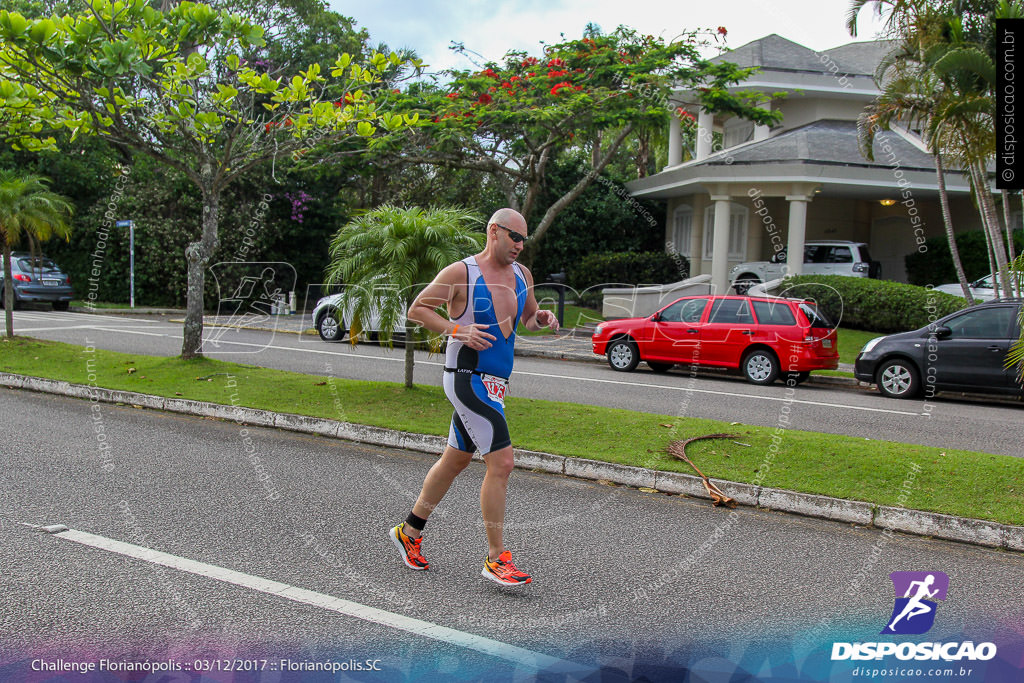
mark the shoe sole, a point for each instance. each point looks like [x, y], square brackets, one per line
[393, 535]
[498, 581]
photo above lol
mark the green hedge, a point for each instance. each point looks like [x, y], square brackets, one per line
[626, 268]
[935, 266]
[874, 305]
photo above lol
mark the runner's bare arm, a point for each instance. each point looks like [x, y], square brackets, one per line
[442, 292]
[534, 318]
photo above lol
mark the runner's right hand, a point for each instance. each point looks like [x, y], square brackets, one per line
[475, 336]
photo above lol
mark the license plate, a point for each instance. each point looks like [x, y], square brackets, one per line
[51, 283]
[826, 343]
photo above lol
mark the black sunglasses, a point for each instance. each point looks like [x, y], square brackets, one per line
[516, 237]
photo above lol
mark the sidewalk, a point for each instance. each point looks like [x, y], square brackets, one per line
[857, 513]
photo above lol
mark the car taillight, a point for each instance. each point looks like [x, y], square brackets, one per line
[861, 267]
[69, 279]
[22, 278]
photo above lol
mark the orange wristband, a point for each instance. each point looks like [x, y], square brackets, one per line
[454, 330]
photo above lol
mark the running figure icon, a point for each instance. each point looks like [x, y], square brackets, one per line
[915, 606]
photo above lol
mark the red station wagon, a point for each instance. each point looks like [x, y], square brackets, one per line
[762, 337]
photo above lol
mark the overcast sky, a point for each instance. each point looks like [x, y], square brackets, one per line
[494, 27]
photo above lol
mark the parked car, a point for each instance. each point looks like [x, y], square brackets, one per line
[762, 337]
[37, 279]
[982, 289]
[828, 257]
[964, 351]
[332, 323]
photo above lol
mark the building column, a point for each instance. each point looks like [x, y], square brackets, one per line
[762, 132]
[797, 233]
[705, 132]
[720, 246]
[675, 140]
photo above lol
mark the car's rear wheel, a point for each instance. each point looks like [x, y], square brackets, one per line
[744, 283]
[659, 367]
[329, 326]
[61, 305]
[623, 355]
[760, 367]
[898, 378]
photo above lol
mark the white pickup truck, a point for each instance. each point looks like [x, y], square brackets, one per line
[826, 257]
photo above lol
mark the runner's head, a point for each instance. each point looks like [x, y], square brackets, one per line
[506, 234]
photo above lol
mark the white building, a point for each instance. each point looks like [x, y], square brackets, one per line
[807, 170]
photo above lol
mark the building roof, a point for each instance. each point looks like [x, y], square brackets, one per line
[825, 142]
[775, 53]
[824, 152]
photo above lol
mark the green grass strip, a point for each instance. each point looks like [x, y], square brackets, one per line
[955, 482]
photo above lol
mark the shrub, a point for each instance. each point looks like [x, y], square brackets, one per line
[628, 268]
[935, 266]
[874, 305]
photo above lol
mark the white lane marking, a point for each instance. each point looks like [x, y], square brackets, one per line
[723, 393]
[21, 330]
[494, 648]
[602, 381]
[121, 330]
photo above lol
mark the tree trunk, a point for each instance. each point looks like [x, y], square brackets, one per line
[1009, 240]
[198, 255]
[410, 349]
[991, 222]
[577, 190]
[948, 224]
[8, 291]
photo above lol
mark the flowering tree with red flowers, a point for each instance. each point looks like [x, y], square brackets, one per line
[510, 120]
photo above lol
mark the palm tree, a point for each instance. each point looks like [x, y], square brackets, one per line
[954, 52]
[27, 210]
[386, 256]
[911, 95]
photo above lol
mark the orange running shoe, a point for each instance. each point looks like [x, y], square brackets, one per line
[504, 572]
[409, 547]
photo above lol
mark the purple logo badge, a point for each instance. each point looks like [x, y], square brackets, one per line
[916, 593]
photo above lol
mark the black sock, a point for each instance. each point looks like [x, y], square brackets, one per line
[416, 522]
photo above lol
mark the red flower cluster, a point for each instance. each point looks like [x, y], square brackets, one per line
[556, 73]
[530, 61]
[489, 72]
[722, 31]
[683, 114]
[563, 84]
[557, 61]
[452, 95]
[485, 99]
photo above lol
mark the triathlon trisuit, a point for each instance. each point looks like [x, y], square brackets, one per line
[476, 381]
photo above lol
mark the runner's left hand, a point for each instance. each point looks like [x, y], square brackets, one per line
[547, 319]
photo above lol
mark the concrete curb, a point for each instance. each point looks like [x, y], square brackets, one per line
[917, 522]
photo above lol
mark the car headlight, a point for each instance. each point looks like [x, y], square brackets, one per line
[871, 344]
[598, 329]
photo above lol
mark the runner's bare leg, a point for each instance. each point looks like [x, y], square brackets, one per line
[492, 498]
[437, 482]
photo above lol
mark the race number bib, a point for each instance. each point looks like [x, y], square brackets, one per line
[496, 388]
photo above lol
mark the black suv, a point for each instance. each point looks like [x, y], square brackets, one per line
[964, 351]
[37, 279]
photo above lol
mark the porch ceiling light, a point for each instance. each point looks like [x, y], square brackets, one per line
[886, 202]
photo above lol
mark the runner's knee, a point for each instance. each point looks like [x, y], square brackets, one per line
[500, 463]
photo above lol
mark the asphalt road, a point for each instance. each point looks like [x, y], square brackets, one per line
[944, 422]
[636, 583]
